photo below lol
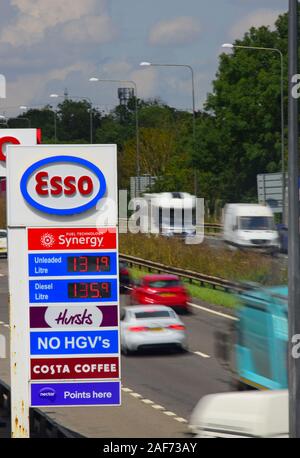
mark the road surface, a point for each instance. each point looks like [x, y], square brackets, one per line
[159, 391]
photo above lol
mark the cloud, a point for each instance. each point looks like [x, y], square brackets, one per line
[34, 18]
[92, 29]
[38, 86]
[258, 18]
[180, 30]
[146, 81]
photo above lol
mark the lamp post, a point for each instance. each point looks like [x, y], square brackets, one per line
[260, 48]
[55, 96]
[133, 83]
[190, 68]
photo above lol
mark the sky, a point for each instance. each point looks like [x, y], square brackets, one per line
[47, 46]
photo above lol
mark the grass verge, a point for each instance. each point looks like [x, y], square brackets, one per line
[217, 261]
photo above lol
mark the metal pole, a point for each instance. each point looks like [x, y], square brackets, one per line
[194, 108]
[91, 125]
[293, 228]
[194, 131]
[261, 48]
[138, 167]
[282, 140]
[55, 128]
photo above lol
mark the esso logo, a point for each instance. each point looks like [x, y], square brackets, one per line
[18, 137]
[7, 141]
[63, 185]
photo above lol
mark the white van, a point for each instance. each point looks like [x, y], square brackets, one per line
[245, 414]
[250, 225]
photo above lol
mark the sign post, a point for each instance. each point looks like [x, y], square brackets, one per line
[293, 226]
[63, 278]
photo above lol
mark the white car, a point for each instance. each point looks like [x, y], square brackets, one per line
[3, 242]
[148, 327]
[242, 414]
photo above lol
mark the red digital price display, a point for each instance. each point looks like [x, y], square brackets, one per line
[89, 290]
[82, 264]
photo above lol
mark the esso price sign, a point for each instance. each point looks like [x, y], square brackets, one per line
[63, 185]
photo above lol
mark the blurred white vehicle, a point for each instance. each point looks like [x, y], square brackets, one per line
[148, 327]
[3, 242]
[250, 226]
[245, 414]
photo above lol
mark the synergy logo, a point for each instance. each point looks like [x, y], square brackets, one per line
[63, 185]
[47, 240]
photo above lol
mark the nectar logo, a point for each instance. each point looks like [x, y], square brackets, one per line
[48, 393]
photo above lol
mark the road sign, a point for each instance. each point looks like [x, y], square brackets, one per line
[72, 394]
[269, 189]
[63, 276]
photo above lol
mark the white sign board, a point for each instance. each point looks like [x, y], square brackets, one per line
[28, 137]
[63, 277]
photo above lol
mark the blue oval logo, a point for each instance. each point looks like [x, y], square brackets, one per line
[63, 185]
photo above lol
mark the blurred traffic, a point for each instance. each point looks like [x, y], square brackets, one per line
[161, 289]
[151, 328]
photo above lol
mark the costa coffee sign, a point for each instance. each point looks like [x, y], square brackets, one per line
[63, 185]
[27, 137]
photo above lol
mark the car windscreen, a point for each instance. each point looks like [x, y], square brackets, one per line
[3, 235]
[154, 314]
[164, 283]
[256, 223]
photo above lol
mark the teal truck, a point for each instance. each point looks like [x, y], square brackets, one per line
[255, 349]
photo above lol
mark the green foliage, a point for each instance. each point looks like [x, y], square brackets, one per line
[241, 138]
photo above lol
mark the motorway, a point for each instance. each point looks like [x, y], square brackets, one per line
[159, 391]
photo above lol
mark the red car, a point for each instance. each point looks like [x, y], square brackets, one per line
[162, 290]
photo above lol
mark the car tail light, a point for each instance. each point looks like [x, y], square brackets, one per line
[177, 327]
[124, 272]
[137, 328]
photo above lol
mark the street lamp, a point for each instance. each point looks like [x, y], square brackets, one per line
[260, 48]
[190, 68]
[133, 83]
[55, 96]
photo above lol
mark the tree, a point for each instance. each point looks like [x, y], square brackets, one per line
[241, 136]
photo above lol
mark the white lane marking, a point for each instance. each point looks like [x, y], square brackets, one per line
[180, 419]
[158, 407]
[170, 414]
[214, 312]
[199, 353]
[5, 325]
[126, 390]
[136, 395]
[166, 412]
[147, 401]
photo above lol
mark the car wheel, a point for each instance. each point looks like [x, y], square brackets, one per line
[125, 351]
[184, 348]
